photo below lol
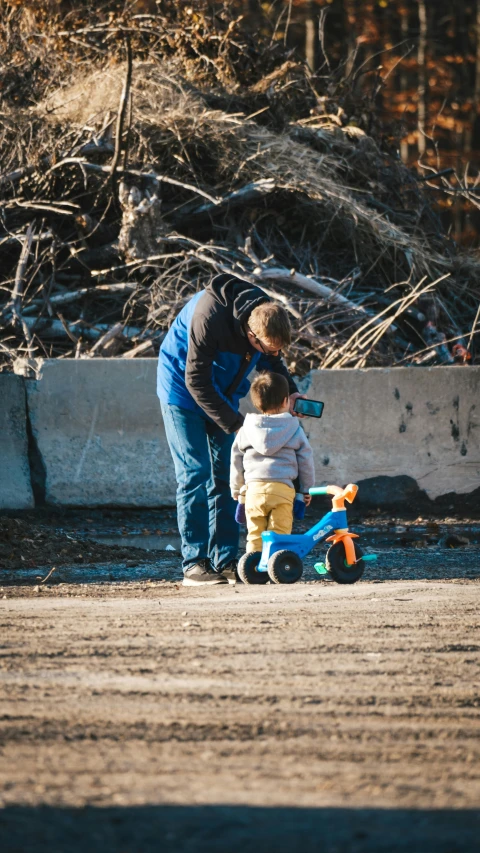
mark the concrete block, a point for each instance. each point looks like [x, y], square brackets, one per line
[15, 486]
[422, 423]
[99, 430]
[100, 436]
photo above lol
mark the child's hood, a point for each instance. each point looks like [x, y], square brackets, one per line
[269, 433]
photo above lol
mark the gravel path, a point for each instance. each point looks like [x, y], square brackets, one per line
[137, 715]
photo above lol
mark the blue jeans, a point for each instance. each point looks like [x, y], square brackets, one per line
[205, 508]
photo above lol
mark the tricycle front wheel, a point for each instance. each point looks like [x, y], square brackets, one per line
[285, 567]
[337, 567]
[247, 568]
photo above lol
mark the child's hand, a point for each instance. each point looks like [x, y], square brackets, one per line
[308, 499]
[240, 516]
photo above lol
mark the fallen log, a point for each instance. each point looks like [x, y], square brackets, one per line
[247, 194]
[310, 284]
[99, 290]
[17, 239]
[145, 349]
[15, 176]
[52, 328]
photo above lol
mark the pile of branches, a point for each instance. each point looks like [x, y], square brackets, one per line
[198, 150]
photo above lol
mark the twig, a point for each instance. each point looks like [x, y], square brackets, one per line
[43, 205]
[114, 332]
[442, 174]
[321, 35]
[68, 332]
[363, 337]
[121, 115]
[287, 25]
[245, 195]
[95, 167]
[16, 299]
[433, 346]
[45, 579]
[65, 298]
[15, 239]
[477, 315]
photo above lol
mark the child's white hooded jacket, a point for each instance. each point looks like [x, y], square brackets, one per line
[272, 448]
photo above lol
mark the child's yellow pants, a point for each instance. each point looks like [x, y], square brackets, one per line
[268, 506]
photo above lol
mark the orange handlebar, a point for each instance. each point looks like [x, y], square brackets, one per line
[339, 495]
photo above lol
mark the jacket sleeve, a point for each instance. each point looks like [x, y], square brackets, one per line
[306, 465]
[276, 364]
[199, 377]
[237, 477]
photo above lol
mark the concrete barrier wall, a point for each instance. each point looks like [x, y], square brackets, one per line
[99, 432]
[100, 438]
[419, 422]
[15, 486]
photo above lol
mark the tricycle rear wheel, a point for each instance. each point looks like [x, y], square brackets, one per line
[336, 564]
[285, 567]
[247, 568]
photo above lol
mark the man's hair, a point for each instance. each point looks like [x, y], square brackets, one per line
[268, 391]
[270, 323]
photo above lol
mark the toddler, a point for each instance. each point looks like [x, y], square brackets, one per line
[270, 451]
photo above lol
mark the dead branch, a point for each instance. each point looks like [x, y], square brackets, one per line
[307, 283]
[145, 349]
[98, 290]
[16, 300]
[121, 115]
[114, 332]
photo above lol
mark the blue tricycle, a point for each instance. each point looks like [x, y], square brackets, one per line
[281, 558]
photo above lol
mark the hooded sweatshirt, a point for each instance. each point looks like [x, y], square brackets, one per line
[206, 356]
[273, 448]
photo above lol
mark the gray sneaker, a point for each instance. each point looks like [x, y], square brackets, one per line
[230, 572]
[202, 573]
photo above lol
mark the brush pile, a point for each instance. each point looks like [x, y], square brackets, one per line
[180, 147]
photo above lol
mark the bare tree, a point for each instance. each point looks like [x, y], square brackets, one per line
[422, 76]
[310, 36]
[469, 130]
[351, 35]
[403, 74]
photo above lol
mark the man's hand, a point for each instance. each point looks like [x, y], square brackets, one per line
[308, 499]
[293, 397]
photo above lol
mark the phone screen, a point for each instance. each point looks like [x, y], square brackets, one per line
[311, 408]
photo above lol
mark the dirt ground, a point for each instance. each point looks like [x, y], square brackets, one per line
[65, 537]
[137, 715]
[62, 539]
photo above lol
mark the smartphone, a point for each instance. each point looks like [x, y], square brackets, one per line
[311, 408]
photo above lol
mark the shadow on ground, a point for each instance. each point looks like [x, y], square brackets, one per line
[228, 829]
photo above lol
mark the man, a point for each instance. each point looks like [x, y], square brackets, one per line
[220, 335]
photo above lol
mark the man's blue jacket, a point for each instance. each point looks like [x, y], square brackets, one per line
[206, 356]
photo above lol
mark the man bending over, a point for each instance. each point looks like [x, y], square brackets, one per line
[220, 335]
